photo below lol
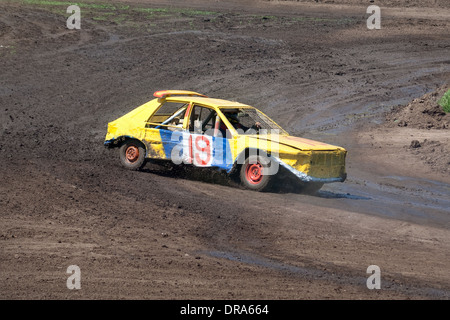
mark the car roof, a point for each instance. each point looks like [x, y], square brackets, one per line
[219, 103]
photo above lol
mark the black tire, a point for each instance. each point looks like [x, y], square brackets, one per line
[132, 155]
[251, 176]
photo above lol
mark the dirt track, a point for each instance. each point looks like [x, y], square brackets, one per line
[314, 68]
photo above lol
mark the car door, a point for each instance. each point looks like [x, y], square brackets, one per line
[163, 129]
[204, 145]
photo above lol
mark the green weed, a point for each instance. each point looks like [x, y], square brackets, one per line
[444, 102]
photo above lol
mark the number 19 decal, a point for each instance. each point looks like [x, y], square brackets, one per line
[201, 150]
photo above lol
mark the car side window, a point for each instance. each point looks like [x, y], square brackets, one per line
[202, 120]
[169, 116]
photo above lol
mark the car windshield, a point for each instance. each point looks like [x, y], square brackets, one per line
[251, 121]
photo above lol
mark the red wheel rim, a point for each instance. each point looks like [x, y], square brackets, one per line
[253, 173]
[132, 154]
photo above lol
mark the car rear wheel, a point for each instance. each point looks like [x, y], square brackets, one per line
[132, 155]
[252, 173]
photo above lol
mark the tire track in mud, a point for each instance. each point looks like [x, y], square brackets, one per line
[342, 277]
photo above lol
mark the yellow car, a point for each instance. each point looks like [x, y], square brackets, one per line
[187, 127]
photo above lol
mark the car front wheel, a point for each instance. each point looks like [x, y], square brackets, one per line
[252, 173]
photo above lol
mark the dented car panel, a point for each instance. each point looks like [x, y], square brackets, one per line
[190, 135]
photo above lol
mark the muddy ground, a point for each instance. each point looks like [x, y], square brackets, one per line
[314, 68]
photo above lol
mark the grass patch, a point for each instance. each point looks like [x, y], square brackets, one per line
[189, 12]
[168, 17]
[444, 102]
[196, 12]
[80, 4]
[96, 11]
[99, 18]
[150, 10]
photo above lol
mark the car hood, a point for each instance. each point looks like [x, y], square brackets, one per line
[298, 143]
